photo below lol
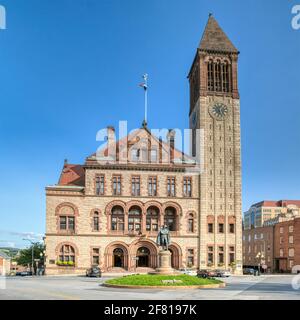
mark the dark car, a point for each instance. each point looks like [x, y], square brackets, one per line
[24, 273]
[206, 273]
[94, 272]
[250, 271]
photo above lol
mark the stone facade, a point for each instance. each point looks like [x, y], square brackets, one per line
[106, 213]
[84, 238]
[5, 262]
[215, 110]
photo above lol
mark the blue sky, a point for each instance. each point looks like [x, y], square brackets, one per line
[71, 67]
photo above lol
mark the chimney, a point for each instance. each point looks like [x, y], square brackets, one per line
[160, 151]
[111, 142]
[171, 143]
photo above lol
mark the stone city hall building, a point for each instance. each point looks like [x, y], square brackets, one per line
[108, 213]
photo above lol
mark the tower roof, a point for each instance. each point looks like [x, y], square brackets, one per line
[215, 39]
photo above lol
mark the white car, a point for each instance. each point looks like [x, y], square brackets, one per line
[223, 273]
[189, 272]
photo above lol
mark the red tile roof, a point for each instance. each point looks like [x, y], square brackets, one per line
[72, 175]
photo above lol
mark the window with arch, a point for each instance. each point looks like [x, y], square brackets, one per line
[66, 219]
[191, 223]
[152, 217]
[67, 253]
[134, 218]
[117, 218]
[170, 218]
[96, 221]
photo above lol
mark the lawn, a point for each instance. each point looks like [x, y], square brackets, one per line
[156, 280]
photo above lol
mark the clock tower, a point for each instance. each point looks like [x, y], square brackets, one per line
[215, 110]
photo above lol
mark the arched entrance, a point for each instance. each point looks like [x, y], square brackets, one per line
[118, 258]
[176, 256]
[143, 255]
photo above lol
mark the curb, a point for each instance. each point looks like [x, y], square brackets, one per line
[203, 286]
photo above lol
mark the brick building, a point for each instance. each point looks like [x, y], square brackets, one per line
[278, 239]
[287, 245]
[258, 241]
[108, 211]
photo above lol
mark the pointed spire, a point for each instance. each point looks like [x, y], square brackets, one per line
[215, 39]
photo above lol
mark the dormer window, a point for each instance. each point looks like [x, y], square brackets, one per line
[135, 155]
[153, 155]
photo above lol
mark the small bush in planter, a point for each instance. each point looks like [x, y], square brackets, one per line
[59, 263]
[71, 263]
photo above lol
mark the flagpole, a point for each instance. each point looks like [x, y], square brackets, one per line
[146, 96]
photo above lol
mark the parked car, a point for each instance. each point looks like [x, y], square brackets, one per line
[250, 271]
[94, 272]
[190, 272]
[223, 273]
[206, 273]
[24, 273]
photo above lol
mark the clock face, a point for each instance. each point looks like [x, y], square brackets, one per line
[219, 110]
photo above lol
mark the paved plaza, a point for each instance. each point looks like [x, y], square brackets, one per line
[80, 288]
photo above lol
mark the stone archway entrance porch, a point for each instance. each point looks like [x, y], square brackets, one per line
[139, 256]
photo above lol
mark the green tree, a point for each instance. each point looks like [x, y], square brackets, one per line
[25, 256]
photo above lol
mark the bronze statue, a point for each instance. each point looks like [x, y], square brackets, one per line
[163, 238]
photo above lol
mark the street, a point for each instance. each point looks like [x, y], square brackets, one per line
[276, 287]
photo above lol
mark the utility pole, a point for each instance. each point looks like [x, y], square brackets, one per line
[32, 253]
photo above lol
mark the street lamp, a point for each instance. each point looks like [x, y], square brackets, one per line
[32, 253]
[260, 256]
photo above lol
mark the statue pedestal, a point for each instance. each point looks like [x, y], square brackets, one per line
[164, 264]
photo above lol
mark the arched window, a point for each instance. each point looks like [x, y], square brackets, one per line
[170, 218]
[117, 218]
[191, 224]
[218, 76]
[134, 218]
[218, 86]
[152, 218]
[210, 76]
[225, 77]
[66, 216]
[67, 253]
[96, 221]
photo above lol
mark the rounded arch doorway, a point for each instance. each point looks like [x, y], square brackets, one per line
[143, 255]
[118, 258]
